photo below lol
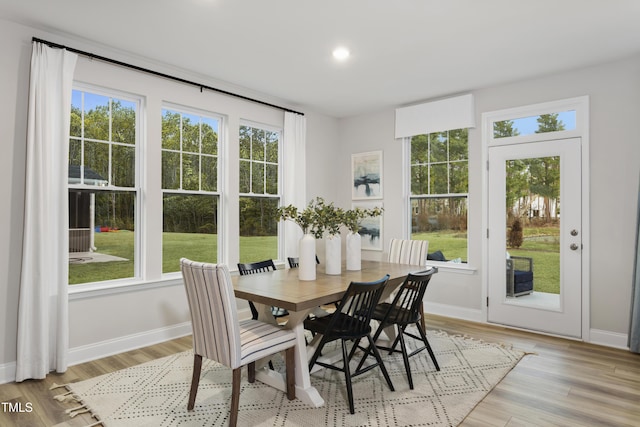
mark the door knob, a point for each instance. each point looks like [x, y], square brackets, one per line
[573, 247]
[574, 232]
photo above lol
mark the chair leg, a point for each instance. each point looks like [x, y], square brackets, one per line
[251, 372]
[235, 397]
[195, 380]
[347, 376]
[405, 357]
[422, 321]
[426, 343]
[290, 361]
[376, 353]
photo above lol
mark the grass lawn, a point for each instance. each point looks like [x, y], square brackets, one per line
[198, 247]
[540, 243]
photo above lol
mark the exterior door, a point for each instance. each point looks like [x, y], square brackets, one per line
[534, 236]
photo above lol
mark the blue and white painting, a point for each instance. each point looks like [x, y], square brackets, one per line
[367, 175]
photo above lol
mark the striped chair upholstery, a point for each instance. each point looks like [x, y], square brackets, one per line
[219, 336]
[402, 251]
[414, 252]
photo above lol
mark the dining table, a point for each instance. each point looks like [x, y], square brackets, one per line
[282, 288]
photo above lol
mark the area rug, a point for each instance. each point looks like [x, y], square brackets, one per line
[155, 393]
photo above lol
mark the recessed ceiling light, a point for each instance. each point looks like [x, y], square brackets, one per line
[341, 53]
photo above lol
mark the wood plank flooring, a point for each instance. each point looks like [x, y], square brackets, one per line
[562, 383]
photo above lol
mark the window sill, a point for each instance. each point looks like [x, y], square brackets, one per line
[452, 267]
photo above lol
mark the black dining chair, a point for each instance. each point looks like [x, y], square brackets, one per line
[403, 311]
[260, 267]
[294, 262]
[350, 322]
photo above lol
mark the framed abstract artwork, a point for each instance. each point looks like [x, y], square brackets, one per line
[371, 227]
[366, 175]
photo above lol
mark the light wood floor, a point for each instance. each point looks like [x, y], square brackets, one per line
[564, 383]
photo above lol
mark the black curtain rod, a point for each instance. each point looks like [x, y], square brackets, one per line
[158, 74]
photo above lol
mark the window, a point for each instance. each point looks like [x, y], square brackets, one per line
[103, 187]
[259, 192]
[543, 123]
[439, 187]
[190, 150]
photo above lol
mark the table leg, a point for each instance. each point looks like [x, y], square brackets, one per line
[304, 390]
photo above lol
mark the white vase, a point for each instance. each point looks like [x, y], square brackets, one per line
[354, 254]
[333, 254]
[307, 257]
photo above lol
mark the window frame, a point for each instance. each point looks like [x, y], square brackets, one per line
[464, 267]
[279, 195]
[137, 188]
[218, 193]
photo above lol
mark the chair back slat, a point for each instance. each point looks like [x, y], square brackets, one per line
[404, 251]
[256, 267]
[354, 311]
[214, 317]
[405, 307]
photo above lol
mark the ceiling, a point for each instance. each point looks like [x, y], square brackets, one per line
[402, 51]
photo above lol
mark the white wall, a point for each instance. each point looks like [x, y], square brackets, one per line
[614, 91]
[105, 323]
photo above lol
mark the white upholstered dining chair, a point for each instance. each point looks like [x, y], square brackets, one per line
[219, 336]
[414, 252]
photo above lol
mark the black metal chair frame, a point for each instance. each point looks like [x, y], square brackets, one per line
[402, 312]
[294, 262]
[350, 322]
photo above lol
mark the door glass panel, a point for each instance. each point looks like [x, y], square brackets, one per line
[532, 201]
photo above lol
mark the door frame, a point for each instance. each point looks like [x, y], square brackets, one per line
[581, 106]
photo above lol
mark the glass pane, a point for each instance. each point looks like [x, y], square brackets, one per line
[443, 222]
[458, 145]
[419, 149]
[257, 178]
[123, 168]
[123, 127]
[113, 236]
[190, 172]
[553, 122]
[76, 114]
[272, 147]
[170, 130]
[170, 170]
[75, 152]
[258, 144]
[190, 133]
[419, 179]
[96, 158]
[438, 143]
[209, 173]
[190, 229]
[245, 142]
[459, 177]
[96, 116]
[533, 226]
[439, 179]
[272, 179]
[209, 136]
[258, 229]
[245, 176]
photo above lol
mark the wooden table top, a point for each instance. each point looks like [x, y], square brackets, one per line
[282, 288]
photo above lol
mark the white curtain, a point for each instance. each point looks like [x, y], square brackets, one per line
[634, 329]
[295, 184]
[43, 321]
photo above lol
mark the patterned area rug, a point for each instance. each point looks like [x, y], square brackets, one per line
[155, 393]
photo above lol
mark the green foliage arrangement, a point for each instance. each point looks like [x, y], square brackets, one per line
[353, 217]
[306, 219]
[328, 216]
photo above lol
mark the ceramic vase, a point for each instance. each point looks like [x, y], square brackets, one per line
[354, 254]
[307, 258]
[333, 254]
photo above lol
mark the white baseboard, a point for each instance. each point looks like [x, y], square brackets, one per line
[609, 339]
[454, 311]
[7, 372]
[118, 345]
